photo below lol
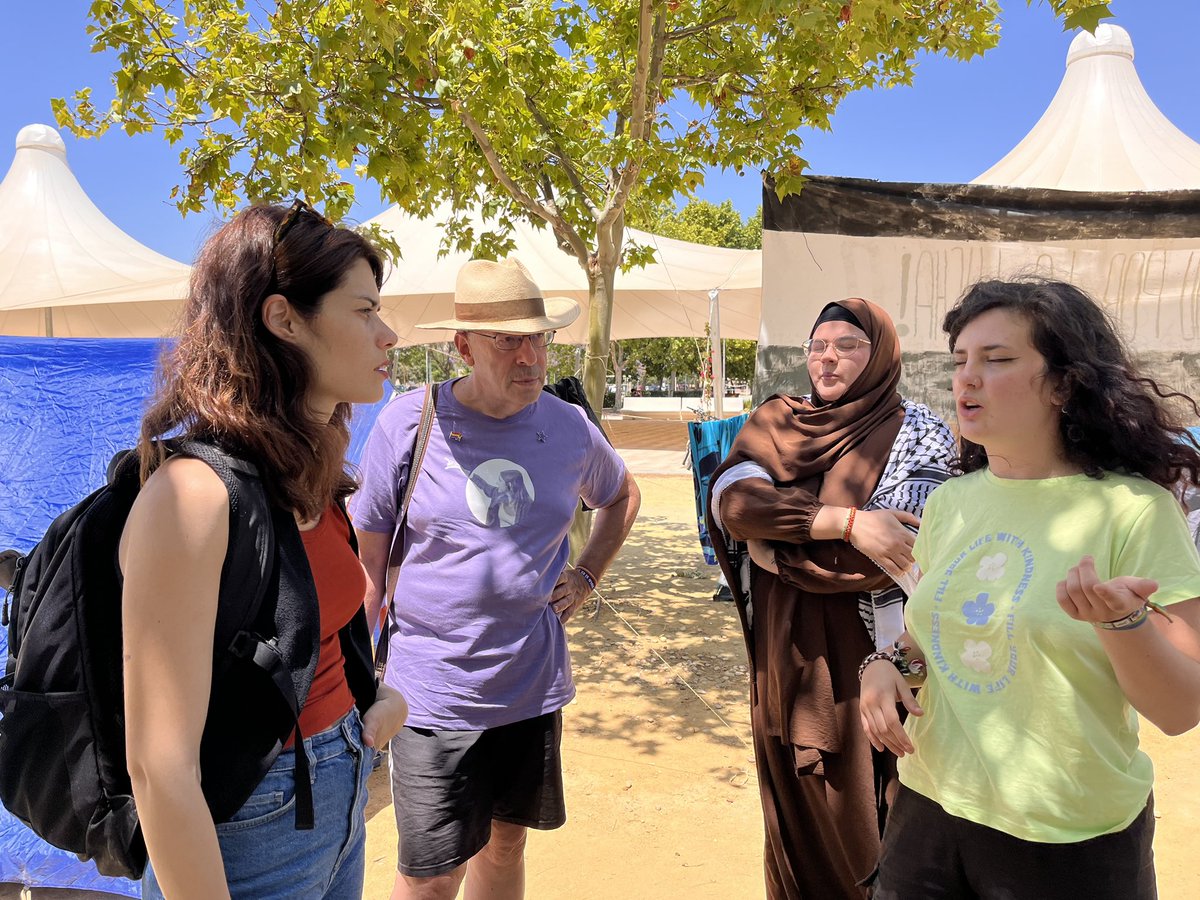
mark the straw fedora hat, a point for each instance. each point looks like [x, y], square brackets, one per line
[501, 296]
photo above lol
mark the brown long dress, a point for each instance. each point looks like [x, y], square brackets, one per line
[824, 789]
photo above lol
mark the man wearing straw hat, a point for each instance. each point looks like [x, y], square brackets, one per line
[477, 643]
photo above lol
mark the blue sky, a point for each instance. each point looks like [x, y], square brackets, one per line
[952, 124]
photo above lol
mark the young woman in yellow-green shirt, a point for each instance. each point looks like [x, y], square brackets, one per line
[1059, 597]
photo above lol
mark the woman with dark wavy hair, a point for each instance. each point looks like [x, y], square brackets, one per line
[281, 333]
[1061, 598]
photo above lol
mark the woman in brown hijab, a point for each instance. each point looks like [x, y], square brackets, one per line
[825, 491]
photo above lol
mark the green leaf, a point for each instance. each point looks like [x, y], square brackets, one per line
[1087, 18]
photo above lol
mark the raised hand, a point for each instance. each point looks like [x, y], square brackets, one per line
[1083, 596]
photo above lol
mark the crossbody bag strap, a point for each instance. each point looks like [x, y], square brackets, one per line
[428, 409]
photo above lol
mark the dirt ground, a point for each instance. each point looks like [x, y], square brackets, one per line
[662, 798]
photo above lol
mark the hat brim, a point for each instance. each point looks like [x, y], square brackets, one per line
[560, 312]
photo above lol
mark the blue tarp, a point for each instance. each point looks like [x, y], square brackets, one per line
[66, 406]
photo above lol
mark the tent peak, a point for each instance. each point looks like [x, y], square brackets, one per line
[1108, 40]
[41, 137]
[1101, 131]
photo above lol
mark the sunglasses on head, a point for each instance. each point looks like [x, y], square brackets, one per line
[298, 208]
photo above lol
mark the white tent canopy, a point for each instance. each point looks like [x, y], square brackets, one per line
[668, 298]
[65, 269]
[1101, 132]
[1103, 192]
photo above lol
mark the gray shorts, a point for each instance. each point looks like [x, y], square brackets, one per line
[447, 786]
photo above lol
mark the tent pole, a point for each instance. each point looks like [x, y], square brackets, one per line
[49, 316]
[715, 348]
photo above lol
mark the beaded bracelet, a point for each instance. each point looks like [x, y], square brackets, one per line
[588, 577]
[913, 670]
[1134, 619]
[890, 655]
[849, 526]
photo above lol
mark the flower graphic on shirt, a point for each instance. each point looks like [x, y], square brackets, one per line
[977, 655]
[979, 610]
[991, 568]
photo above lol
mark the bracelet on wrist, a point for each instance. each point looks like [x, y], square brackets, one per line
[849, 524]
[588, 577]
[875, 656]
[912, 668]
[1135, 619]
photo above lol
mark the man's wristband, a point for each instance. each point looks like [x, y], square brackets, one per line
[588, 577]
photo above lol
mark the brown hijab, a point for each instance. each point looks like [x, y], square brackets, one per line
[807, 639]
[836, 451]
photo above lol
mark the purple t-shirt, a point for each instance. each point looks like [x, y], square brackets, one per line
[476, 643]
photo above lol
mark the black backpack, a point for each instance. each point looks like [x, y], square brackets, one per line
[62, 735]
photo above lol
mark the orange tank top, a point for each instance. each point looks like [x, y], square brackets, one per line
[341, 585]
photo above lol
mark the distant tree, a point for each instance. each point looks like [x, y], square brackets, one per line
[739, 360]
[717, 225]
[409, 363]
[666, 359]
[563, 360]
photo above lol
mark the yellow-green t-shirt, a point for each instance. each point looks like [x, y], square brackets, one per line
[1025, 728]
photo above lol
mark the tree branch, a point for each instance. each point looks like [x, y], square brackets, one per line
[680, 33]
[647, 81]
[171, 48]
[561, 227]
[563, 158]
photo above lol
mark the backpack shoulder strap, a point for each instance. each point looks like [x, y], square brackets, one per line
[250, 558]
[428, 410]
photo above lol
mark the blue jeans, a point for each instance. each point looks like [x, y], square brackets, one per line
[265, 856]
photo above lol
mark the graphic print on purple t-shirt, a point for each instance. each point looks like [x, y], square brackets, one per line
[475, 642]
[499, 493]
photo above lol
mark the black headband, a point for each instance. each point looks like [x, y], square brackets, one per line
[834, 312]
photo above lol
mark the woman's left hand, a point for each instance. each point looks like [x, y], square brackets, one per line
[385, 717]
[1083, 596]
[762, 554]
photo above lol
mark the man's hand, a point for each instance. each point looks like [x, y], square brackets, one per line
[384, 718]
[8, 567]
[570, 591]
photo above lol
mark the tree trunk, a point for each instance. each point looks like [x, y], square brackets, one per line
[602, 274]
[600, 287]
[618, 361]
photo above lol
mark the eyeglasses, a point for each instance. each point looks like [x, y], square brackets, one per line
[509, 342]
[842, 346]
[293, 216]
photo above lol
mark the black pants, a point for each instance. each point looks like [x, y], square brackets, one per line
[929, 854]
